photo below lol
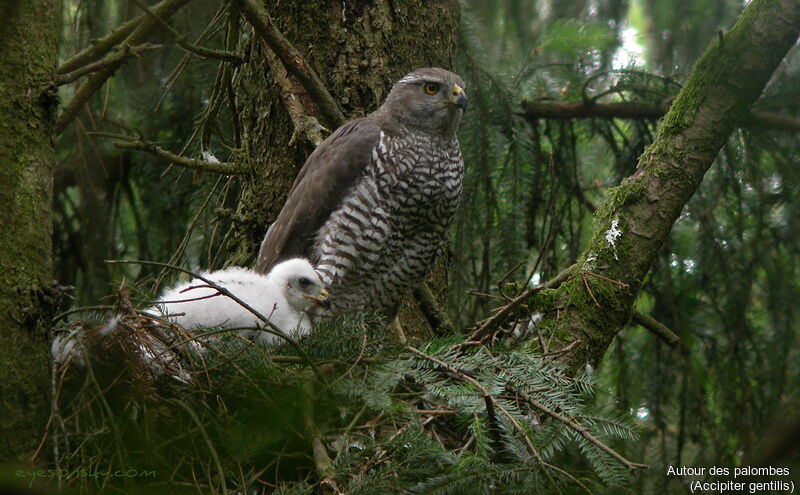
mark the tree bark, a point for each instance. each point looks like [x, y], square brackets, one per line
[632, 225]
[28, 48]
[358, 49]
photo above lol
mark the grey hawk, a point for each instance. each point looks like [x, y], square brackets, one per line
[372, 205]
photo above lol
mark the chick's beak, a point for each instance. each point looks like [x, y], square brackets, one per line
[459, 97]
[321, 299]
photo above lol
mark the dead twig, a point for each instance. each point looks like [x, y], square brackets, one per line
[589, 289]
[322, 462]
[563, 350]
[491, 323]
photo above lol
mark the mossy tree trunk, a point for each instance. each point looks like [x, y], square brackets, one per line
[29, 38]
[358, 49]
[633, 224]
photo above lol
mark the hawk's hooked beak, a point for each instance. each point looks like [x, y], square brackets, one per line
[458, 97]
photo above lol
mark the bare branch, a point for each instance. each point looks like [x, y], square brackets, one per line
[581, 110]
[659, 329]
[257, 15]
[181, 161]
[98, 48]
[117, 56]
[140, 32]
[180, 40]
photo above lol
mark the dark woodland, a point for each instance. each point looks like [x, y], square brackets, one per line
[616, 310]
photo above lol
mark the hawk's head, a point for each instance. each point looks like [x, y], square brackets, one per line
[431, 100]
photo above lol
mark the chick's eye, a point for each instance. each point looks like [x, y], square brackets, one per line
[304, 282]
[431, 88]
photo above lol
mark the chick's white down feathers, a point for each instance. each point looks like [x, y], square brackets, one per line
[283, 296]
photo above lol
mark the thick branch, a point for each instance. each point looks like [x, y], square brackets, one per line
[293, 61]
[532, 110]
[635, 221]
[581, 110]
[140, 32]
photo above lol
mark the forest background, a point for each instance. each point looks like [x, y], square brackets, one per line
[666, 273]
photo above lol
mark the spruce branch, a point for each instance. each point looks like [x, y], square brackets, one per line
[574, 425]
[492, 404]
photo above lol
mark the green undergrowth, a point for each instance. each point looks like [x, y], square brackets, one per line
[438, 420]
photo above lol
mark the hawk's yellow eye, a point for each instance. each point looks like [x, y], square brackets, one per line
[431, 88]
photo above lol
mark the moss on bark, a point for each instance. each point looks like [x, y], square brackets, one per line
[27, 109]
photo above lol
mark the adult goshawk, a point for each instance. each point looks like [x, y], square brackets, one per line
[372, 205]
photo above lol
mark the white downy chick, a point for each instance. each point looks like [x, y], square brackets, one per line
[283, 296]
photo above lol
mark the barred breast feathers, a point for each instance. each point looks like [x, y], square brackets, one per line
[390, 228]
